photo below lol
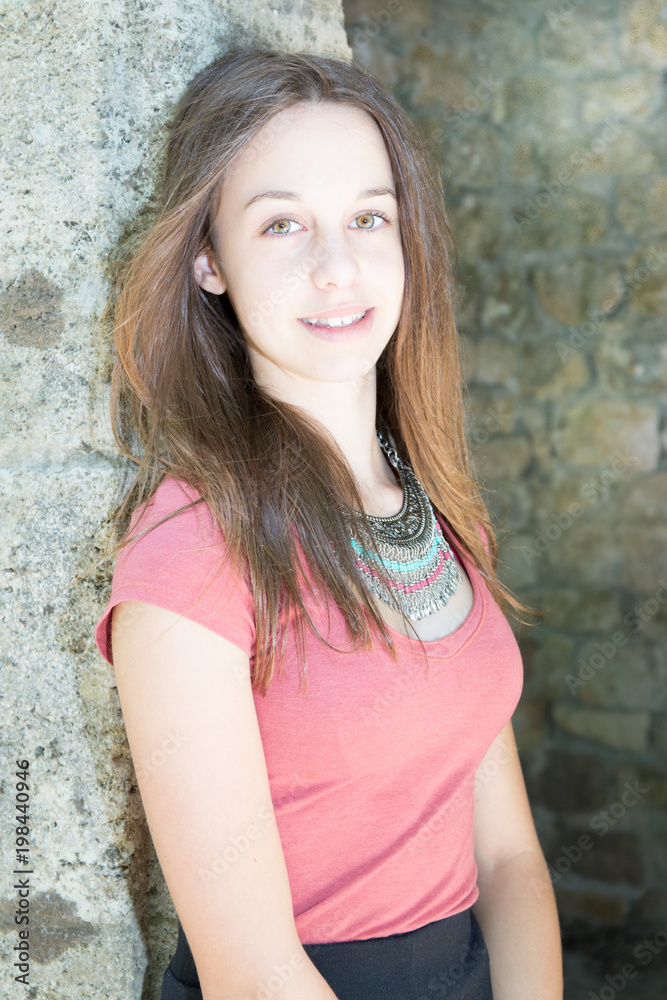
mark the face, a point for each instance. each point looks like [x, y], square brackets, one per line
[305, 231]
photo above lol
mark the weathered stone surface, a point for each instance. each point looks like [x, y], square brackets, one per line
[611, 857]
[622, 730]
[528, 722]
[489, 411]
[556, 216]
[613, 433]
[596, 905]
[569, 289]
[650, 911]
[562, 251]
[576, 612]
[659, 853]
[489, 360]
[570, 782]
[646, 272]
[86, 89]
[30, 311]
[642, 550]
[546, 662]
[479, 228]
[626, 95]
[581, 549]
[475, 157]
[645, 499]
[645, 41]
[576, 36]
[630, 357]
[623, 676]
[548, 127]
[642, 214]
[502, 457]
[510, 510]
[650, 781]
[659, 735]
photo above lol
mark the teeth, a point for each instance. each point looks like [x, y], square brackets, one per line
[338, 321]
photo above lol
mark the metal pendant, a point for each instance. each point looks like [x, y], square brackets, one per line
[420, 564]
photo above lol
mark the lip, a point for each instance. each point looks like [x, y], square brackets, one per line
[337, 312]
[352, 332]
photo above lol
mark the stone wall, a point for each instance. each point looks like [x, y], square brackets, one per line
[86, 88]
[548, 120]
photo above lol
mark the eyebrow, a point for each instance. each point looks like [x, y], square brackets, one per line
[293, 196]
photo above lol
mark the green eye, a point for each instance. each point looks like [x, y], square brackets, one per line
[362, 215]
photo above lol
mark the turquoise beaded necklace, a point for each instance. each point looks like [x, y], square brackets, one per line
[420, 564]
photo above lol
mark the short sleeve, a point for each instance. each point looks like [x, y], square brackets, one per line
[180, 565]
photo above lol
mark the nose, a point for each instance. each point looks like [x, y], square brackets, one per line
[335, 262]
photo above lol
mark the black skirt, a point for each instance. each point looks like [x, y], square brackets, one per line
[444, 960]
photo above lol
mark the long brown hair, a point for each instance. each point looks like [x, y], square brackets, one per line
[184, 401]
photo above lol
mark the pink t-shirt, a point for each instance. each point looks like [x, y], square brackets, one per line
[372, 771]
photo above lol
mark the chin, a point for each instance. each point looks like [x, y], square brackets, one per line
[343, 369]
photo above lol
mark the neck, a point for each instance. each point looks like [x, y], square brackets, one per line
[348, 411]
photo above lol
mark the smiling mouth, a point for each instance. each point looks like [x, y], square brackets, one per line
[337, 321]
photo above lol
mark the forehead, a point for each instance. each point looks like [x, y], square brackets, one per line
[307, 146]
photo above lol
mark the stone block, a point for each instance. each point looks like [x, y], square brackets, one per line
[649, 780]
[580, 611]
[543, 99]
[621, 730]
[642, 548]
[555, 217]
[489, 411]
[502, 458]
[528, 723]
[610, 148]
[570, 290]
[570, 782]
[580, 549]
[477, 155]
[642, 209]
[630, 96]
[659, 735]
[513, 569]
[644, 38]
[596, 905]
[645, 499]
[489, 360]
[510, 509]
[649, 911]
[573, 36]
[497, 301]
[617, 434]
[646, 274]
[479, 227]
[573, 375]
[629, 357]
[611, 858]
[435, 80]
[658, 854]
[618, 672]
[546, 663]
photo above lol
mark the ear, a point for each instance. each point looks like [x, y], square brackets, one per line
[207, 274]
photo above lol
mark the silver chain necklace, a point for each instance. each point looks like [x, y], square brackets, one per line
[419, 562]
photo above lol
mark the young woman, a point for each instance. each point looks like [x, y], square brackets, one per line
[316, 676]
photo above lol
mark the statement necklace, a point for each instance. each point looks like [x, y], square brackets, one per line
[420, 565]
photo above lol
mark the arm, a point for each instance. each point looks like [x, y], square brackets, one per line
[516, 907]
[190, 718]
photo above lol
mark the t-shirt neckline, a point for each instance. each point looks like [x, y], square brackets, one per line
[450, 645]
